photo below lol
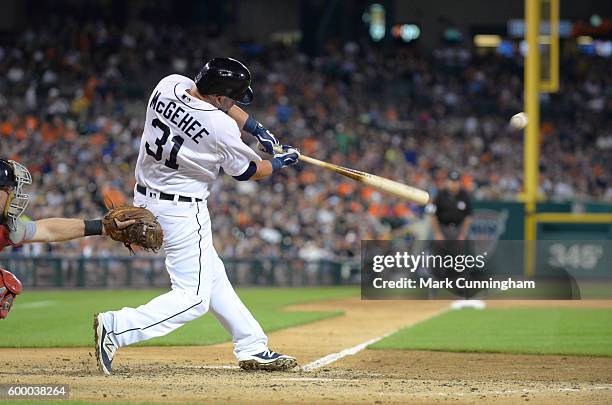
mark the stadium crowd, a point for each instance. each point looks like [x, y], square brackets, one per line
[73, 96]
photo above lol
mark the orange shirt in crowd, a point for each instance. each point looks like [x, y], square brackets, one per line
[309, 146]
[113, 195]
[97, 139]
[467, 181]
[31, 123]
[6, 128]
[307, 177]
[50, 133]
[344, 188]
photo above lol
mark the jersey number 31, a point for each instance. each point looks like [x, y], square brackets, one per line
[160, 142]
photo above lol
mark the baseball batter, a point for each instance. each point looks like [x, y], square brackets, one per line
[187, 138]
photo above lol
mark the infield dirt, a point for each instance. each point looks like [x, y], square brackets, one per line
[208, 374]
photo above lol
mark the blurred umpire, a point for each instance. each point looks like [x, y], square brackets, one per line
[451, 224]
[453, 210]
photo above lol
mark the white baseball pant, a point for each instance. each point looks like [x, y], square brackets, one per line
[199, 283]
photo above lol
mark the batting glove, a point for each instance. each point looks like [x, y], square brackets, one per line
[267, 140]
[289, 156]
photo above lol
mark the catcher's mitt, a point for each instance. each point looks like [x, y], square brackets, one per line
[10, 286]
[145, 232]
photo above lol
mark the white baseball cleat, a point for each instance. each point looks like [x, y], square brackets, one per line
[268, 360]
[105, 348]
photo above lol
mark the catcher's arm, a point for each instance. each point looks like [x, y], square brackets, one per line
[58, 230]
[63, 229]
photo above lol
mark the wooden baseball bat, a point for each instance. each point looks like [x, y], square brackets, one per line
[398, 189]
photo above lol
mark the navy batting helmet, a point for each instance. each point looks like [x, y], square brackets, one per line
[225, 77]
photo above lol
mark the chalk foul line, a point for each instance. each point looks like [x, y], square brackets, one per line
[35, 304]
[330, 358]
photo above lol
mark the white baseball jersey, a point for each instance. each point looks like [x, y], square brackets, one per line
[184, 144]
[186, 140]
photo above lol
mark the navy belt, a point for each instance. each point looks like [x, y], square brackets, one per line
[163, 196]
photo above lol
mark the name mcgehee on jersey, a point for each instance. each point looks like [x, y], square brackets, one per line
[174, 112]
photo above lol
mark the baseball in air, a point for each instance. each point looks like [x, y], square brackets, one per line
[518, 121]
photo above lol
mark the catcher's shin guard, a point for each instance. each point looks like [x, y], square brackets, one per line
[10, 287]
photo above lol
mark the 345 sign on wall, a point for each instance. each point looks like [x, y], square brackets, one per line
[576, 256]
[583, 258]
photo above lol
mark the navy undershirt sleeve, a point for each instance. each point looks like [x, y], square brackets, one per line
[248, 173]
